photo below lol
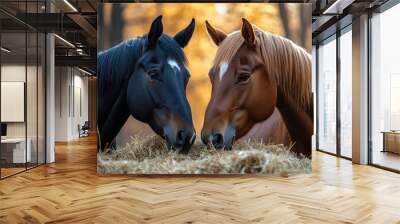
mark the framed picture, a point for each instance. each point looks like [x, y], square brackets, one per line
[204, 88]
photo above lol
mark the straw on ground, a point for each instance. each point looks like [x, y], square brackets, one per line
[149, 155]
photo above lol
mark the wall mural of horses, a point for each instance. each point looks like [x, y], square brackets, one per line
[259, 77]
[146, 77]
[251, 114]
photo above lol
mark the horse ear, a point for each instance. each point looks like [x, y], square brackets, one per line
[248, 32]
[216, 35]
[184, 36]
[155, 32]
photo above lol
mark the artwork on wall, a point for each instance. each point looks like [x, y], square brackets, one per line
[12, 98]
[204, 88]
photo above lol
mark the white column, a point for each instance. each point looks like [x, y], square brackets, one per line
[360, 90]
[50, 98]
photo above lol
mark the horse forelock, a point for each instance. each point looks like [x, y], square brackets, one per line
[172, 49]
[287, 62]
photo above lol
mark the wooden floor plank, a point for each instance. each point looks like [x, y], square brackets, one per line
[70, 191]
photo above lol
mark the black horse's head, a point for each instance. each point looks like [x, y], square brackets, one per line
[156, 91]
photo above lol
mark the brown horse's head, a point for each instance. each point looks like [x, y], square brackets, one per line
[243, 93]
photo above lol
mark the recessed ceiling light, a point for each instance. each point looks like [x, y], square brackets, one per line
[5, 50]
[64, 40]
[70, 5]
[84, 71]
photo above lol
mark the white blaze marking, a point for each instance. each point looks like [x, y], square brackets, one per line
[222, 69]
[173, 64]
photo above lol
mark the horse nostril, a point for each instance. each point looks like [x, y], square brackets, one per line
[184, 141]
[180, 136]
[217, 140]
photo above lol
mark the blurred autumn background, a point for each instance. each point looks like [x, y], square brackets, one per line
[118, 22]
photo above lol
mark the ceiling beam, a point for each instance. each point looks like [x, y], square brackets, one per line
[49, 22]
[337, 7]
[89, 30]
[320, 23]
[81, 61]
[84, 24]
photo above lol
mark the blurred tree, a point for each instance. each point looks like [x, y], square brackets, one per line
[296, 22]
[100, 27]
[305, 32]
[118, 24]
[285, 20]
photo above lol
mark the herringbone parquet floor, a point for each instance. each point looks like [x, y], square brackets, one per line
[70, 191]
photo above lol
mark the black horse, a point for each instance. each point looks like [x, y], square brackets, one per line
[146, 77]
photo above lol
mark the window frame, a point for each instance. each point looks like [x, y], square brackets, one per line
[333, 37]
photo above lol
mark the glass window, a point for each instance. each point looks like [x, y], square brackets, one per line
[346, 94]
[14, 153]
[31, 97]
[385, 89]
[327, 96]
[22, 91]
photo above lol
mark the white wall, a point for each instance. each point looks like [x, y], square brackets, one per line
[16, 73]
[80, 89]
[33, 126]
[71, 94]
[12, 73]
[61, 103]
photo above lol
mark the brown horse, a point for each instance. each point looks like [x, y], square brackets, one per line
[255, 73]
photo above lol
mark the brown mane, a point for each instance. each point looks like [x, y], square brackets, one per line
[289, 63]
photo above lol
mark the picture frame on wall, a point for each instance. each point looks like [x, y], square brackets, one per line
[210, 88]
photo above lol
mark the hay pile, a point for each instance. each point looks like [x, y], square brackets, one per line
[149, 155]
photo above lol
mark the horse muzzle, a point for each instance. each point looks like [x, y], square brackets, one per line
[180, 141]
[220, 140]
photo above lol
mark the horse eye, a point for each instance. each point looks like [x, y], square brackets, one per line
[243, 78]
[154, 74]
